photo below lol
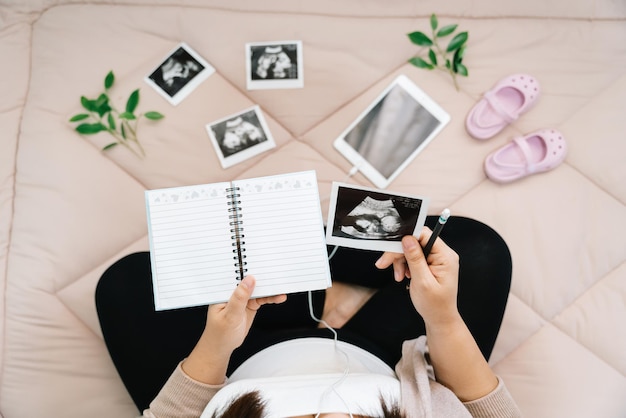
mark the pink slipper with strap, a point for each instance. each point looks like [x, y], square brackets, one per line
[536, 152]
[501, 105]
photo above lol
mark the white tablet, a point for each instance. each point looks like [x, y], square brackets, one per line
[390, 133]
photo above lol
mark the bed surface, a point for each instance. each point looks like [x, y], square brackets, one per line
[68, 210]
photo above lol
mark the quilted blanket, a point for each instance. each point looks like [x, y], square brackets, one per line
[68, 209]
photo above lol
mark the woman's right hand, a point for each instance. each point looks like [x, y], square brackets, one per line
[456, 359]
[433, 281]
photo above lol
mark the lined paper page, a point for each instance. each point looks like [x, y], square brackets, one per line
[283, 232]
[190, 245]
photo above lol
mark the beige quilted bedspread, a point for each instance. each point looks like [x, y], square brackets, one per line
[68, 210]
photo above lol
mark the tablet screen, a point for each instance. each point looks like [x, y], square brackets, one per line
[392, 131]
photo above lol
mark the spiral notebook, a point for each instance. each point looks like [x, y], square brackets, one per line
[205, 238]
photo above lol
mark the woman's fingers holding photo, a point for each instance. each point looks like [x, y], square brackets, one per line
[398, 261]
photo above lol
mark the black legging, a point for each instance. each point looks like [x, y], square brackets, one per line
[146, 345]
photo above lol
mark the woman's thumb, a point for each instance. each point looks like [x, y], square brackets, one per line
[241, 295]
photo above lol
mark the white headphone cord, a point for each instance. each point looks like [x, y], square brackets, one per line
[346, 370]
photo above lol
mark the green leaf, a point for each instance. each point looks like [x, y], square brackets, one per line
[420, 63]
[111, 145]
[108, 80]
[80, 116]
[90, 105]
[458, 54]
[111, 121]
[446, 30]
[102, 104]
[123, 131]
[433, 22]
[419, 38]
[132, 102]
[90, 128]
[457, 60]
[457, 42]
[432, 56]
[448, 64]
[153, 115]
[101, 100]
[127, 116]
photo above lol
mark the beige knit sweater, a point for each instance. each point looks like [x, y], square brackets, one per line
[422, 395]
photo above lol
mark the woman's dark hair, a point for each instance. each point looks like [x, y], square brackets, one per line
[251, 405]
[392, 411]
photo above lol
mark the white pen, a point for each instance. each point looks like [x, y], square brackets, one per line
[445, 214]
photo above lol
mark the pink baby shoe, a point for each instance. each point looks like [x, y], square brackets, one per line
[536, 152]
[503, 104]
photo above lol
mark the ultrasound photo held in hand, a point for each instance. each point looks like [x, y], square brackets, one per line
[372, 219]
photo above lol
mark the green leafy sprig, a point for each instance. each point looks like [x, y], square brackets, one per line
[102, 116]
[449, 59]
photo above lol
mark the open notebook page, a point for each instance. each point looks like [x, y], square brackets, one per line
[190, 245]
[282, 223]
[191, 239]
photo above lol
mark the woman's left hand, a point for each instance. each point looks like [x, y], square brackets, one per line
[226, 327]
[228, 323]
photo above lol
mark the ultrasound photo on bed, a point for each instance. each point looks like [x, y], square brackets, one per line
[239, 133]
[179, 74]
[240, 136]
[274, 65]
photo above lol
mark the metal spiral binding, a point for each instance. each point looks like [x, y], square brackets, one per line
[237, 232]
